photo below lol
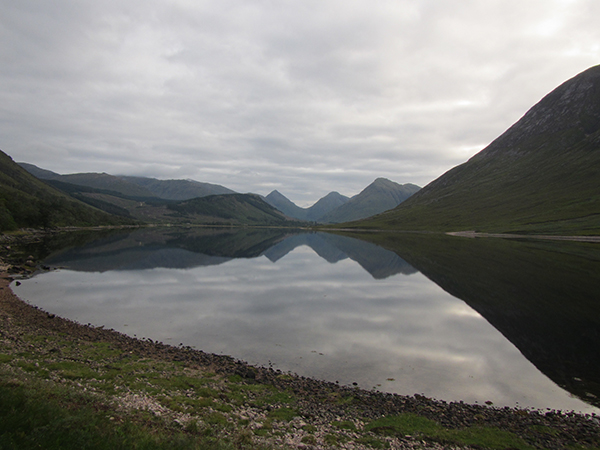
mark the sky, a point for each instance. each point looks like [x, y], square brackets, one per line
[302, 96]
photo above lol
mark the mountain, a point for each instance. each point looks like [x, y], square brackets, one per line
[312, 213]
[26, 201]
[178, 189]
[138, 199]
[102, 181]
[40, 173]
[326, 204]
[137, 187]
[379, 196]
[542, 175]
[280, 202]
[231, 209]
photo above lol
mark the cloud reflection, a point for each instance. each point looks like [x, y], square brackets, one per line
[332, 321]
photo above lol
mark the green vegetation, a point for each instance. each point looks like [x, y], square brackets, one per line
[26, 201]
[421, 427]
[64, 392]
[233, 209]
[44, 401]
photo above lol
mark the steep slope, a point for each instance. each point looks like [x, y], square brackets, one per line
[177, 189]
[379, 196]
[542, 175]
[26, 201]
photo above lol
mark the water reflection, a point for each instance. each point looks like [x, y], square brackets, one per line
[148, 249]
[302, 303]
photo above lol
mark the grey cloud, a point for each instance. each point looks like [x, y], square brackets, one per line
[309, 97]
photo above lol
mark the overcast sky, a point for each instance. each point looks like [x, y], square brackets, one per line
[301, 96]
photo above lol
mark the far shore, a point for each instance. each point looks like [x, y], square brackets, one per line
[476, 234]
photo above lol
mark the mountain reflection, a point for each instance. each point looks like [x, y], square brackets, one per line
[180, 249]
[543, 296]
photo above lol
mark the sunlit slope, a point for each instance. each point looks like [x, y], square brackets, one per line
[541, 176]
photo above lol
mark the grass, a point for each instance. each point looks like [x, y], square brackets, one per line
[66, 404]
[43, 402]
[54, 417]
[421, 427]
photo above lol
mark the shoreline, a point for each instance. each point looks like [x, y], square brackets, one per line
[319, 406]
[549, 237]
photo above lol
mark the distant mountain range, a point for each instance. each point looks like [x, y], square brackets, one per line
[313, 213]
[540, 176]
[133, 186]
[102, 199]
[153, 200]
[378, 197]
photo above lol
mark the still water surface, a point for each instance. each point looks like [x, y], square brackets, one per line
[318, 305]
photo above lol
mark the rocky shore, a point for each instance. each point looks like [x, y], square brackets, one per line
[317, 411]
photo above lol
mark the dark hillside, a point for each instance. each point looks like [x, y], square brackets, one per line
[541, 176]
[26, 202]
[178, 189]
[232, 209]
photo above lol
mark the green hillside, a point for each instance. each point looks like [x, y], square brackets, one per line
[26, 202]
[231, 209]
[541, 176]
